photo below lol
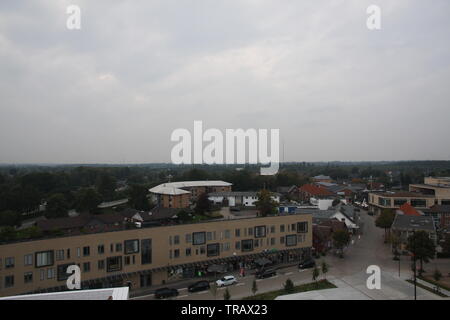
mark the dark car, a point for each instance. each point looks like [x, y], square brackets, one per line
[165, 293]
[309, 263]
[199, 286]
[266, 274]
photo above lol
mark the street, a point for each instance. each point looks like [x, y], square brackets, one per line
[366, 250]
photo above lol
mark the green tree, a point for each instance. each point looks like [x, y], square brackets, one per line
[9, 218]
[7, 234]
[341, 239]
[254, 287]
[106, 186]
[422, 247]
[265, 204]
[289, 286]
[226, 295]
[385, 220]
[138, 197]
[88, 200]
[324, 268]
[202, 204]
[57, 206]
[315, 274]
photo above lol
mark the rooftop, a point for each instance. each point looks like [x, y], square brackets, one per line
[176, 188]
[405, 222]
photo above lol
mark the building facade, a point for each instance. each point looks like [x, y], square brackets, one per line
[140, 258]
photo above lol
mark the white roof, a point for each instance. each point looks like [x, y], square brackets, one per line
[175, 188]
[120, 293]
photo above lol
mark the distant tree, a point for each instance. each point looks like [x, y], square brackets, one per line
[138, 197]
[202, 204]
[57, 206]
[7, 234]
[254, 287]
[324, 268]
[88, 200]
[289, 286]
[437, 276]
[265, 204]
[385, 220]
[422, 247]
[9, 218]
[226, 295]
[106, 186]
[341, 239]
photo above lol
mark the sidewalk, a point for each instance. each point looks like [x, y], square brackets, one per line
[432, 287]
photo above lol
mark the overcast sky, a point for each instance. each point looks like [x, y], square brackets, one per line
[114, 91]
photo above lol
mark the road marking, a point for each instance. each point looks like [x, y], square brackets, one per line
[275, 276]
[201, 292]
[140, 297]
[182, 289]
[184, 296]
[288, 273]
[259, 280]
[302, 270]
[240, 284]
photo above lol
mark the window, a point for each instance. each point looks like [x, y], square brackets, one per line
[146, 251]
[227, 234]
[226, 246]
[42, 274]
[291, 240]
[101, 249]
[386, 202]
[282, 227]
[209, 236]
[237, 233]
[237, 245]
[281, 240]
[68, 253]
[198, 238]
[131, 246]
[302, 227]
[399, 202]
[247, 245]
[86, 251]
[61, 271]
[188, 252]
[9, 281]
[114, 264]
[101, 264]
[50, 273]
[28, 277]
[44, 259]
[28, 260]
[176, 253]
[86, 266]
[260, 231]
[176, 239]
[418, 202]
[272, 241]
[9, 262]
[118, 247]
[127, 260]
[272, 229]
[202, 250]
[59, 255]
[213, 250]
[188, 238]
[250, 231]
[78, 252]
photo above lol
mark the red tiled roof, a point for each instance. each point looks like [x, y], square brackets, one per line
[409, 210]
[315, 190]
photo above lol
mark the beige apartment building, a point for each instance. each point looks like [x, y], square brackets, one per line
[143, 257]
[182, 194]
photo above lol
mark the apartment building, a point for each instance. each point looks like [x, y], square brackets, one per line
[438, 187]
[143, 257]
[182, 194]
[394, 200]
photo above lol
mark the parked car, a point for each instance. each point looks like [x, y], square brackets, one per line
[165, 293]
[237, 209]
[265, 274]
[226, 281]
[309, 263]
[199, 286]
